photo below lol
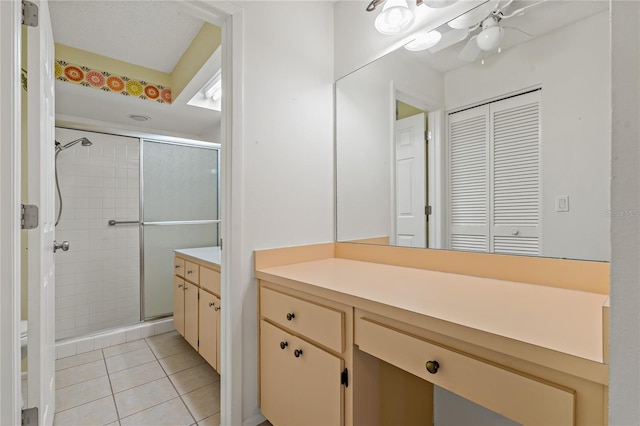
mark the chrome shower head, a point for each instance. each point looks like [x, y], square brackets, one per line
[84, 141]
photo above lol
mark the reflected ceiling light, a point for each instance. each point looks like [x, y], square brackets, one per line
[423, 41]
[437, 4]
[394, 18]
[491, 35]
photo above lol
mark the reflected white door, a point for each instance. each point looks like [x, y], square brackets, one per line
[41, 344]
[411, 182]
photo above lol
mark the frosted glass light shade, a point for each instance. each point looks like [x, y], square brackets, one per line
[394, 18]
[424, 41]
[490, 38]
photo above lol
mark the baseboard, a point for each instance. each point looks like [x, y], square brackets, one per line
[254, 421]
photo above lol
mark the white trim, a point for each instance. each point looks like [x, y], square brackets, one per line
[255, 420]
[10, 152]
[437, 183]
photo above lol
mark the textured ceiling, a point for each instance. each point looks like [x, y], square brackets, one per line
[153, 34]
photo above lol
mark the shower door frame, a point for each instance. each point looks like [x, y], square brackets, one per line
[142, 224]
[153, 137]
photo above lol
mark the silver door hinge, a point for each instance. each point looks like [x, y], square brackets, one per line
[30, 416]
[28, 216]
[427, 210]
[29, 14]
[428, 135]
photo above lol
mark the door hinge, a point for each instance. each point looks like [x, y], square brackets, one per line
[427, 210]
[220, 243]
[30, 416]
[344, 378]
[29, 14]
[427, 135]
[28, 216]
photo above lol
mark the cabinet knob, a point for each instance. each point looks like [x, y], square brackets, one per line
[189, 272]
[217, 308]
[210, 304]
[290, 316]
[179, 285]
[432, 366]
[177, 266]
[515, 232]
[283, 345]
[298, 353]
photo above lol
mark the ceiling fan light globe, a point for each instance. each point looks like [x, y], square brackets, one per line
[424, 41]
[394, 18]
[490, 38]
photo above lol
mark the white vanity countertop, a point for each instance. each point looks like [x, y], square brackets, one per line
[205, 254]
[568, 321]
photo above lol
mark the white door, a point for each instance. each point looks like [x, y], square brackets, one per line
[411, 182]
[41, 344]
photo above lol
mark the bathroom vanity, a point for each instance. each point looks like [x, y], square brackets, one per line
[196, 300]
[359, 334]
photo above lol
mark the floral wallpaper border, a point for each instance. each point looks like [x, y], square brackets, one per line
[108, 82]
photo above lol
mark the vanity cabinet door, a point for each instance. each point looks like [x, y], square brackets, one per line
[318, 393]
[276, 374]
[208, 328]
[191, 314]
[178, 304]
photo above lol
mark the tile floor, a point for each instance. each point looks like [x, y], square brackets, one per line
[159, 380]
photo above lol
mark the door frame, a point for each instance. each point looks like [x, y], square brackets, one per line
[435, 188]
[10, 179]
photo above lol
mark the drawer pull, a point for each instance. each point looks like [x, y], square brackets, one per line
[210, 304]
[179, 285]
[177, 266]
[283, 345]
[297, 353]
[432, 366]
[189, 272]
[290, 316]
[217, 308]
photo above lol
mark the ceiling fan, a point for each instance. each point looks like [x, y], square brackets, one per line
[488, 19]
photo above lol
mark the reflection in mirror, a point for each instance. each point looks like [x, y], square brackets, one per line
[500, 145]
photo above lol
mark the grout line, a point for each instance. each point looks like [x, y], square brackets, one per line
[113, 396]
[82, 363]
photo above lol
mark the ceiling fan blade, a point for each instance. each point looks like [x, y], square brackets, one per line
[470, 52]
[474, 16]
[519, 30]
[450, 38]
[521, 10]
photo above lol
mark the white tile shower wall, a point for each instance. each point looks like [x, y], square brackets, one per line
[98, 279]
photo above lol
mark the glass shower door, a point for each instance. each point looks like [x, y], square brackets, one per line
[179, 208]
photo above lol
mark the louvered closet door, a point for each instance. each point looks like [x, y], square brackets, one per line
[468, 180]
[515, 176]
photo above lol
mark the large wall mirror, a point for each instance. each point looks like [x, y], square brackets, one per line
[505, 150]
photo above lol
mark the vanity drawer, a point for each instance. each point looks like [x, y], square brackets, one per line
[316, 322]
[192, 272]
[518, 397]
[178, 266]
[210, 280]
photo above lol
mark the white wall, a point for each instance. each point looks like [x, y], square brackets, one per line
[287, 147]
[624, 373]
[365, 113]
[212, 134]
[573, 67]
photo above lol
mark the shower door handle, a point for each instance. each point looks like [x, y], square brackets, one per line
[123, 222]
[63, 245]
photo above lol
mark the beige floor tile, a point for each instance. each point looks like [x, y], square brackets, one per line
[129, 359]
[81, 393]
[194, 378]
[181, 361]
[158, 338]
[144, 396]
[204, 402]
[136, 376]
[75, 360]
[210, 421]
[116, 423]
[80, 373]
[124, 348]
[99, 412]
[170, 347]
[173, 413]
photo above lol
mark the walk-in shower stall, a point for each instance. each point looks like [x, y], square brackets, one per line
[127, 203]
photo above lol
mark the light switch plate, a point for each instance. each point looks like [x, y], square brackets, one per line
[562, 203]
